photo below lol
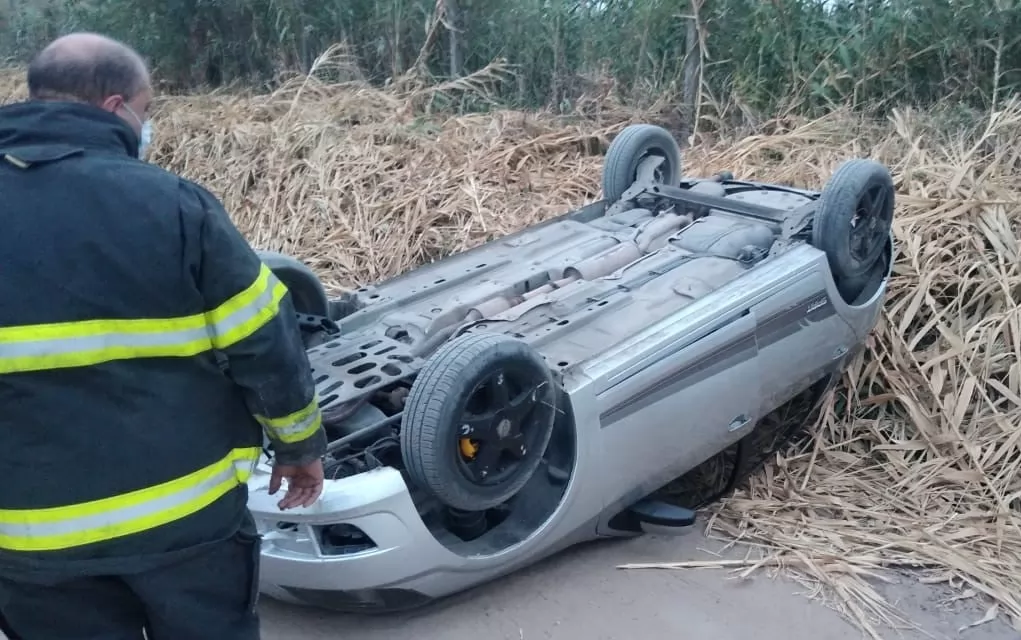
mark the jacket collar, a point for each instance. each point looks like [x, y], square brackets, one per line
[37, 124]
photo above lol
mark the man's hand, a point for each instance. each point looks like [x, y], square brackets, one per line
[304, 484]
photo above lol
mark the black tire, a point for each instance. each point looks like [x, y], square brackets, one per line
[629, 148]
[855, 185]
[307, 292]
[431, 426]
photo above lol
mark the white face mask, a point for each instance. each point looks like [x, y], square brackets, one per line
[146, 135]
[146, 138]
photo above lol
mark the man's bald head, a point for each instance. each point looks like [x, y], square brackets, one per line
[87, 67]
[96, 70]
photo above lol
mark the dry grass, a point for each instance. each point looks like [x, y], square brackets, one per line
[917, 469]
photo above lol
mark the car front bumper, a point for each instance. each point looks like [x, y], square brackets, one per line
[361, 546]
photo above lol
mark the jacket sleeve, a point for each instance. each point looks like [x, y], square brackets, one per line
[252, 322]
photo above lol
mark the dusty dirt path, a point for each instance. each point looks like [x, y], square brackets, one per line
[581, 594]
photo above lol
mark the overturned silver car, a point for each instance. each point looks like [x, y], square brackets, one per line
[504, 403]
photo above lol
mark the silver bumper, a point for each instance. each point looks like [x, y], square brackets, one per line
[399, 548]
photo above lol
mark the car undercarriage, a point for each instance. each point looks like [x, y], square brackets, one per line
[456, 385]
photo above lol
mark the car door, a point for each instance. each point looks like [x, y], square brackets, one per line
[678, 405]
[801, 338]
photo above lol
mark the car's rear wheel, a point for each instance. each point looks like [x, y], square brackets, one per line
[632, 145]
[853, 221]
[477, 420]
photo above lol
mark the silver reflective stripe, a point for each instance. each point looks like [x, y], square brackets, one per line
[103, 342]
[223, 327]
[292, 431]
[116, 518]
[148, 341]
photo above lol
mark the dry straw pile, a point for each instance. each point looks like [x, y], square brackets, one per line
[920, 470]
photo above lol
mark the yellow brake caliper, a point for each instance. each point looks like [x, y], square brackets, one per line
[468, 448]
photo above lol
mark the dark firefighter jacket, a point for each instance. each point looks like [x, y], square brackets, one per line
[121, 435]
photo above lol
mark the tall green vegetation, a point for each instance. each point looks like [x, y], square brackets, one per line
[757, 56]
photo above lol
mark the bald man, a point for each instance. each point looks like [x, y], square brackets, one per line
[146, 357]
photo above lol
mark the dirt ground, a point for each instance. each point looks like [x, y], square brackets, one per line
[581, 594]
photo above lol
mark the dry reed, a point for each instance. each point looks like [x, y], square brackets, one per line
[918, 469]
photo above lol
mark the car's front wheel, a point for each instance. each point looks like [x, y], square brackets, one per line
[478, 419]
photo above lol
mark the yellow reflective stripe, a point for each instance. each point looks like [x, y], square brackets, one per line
[89, 342]
[297, 426]
[247, 312]
[109, 518]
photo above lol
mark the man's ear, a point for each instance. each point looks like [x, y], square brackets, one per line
[112, 103]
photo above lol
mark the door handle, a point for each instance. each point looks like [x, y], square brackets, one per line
[739, 422]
